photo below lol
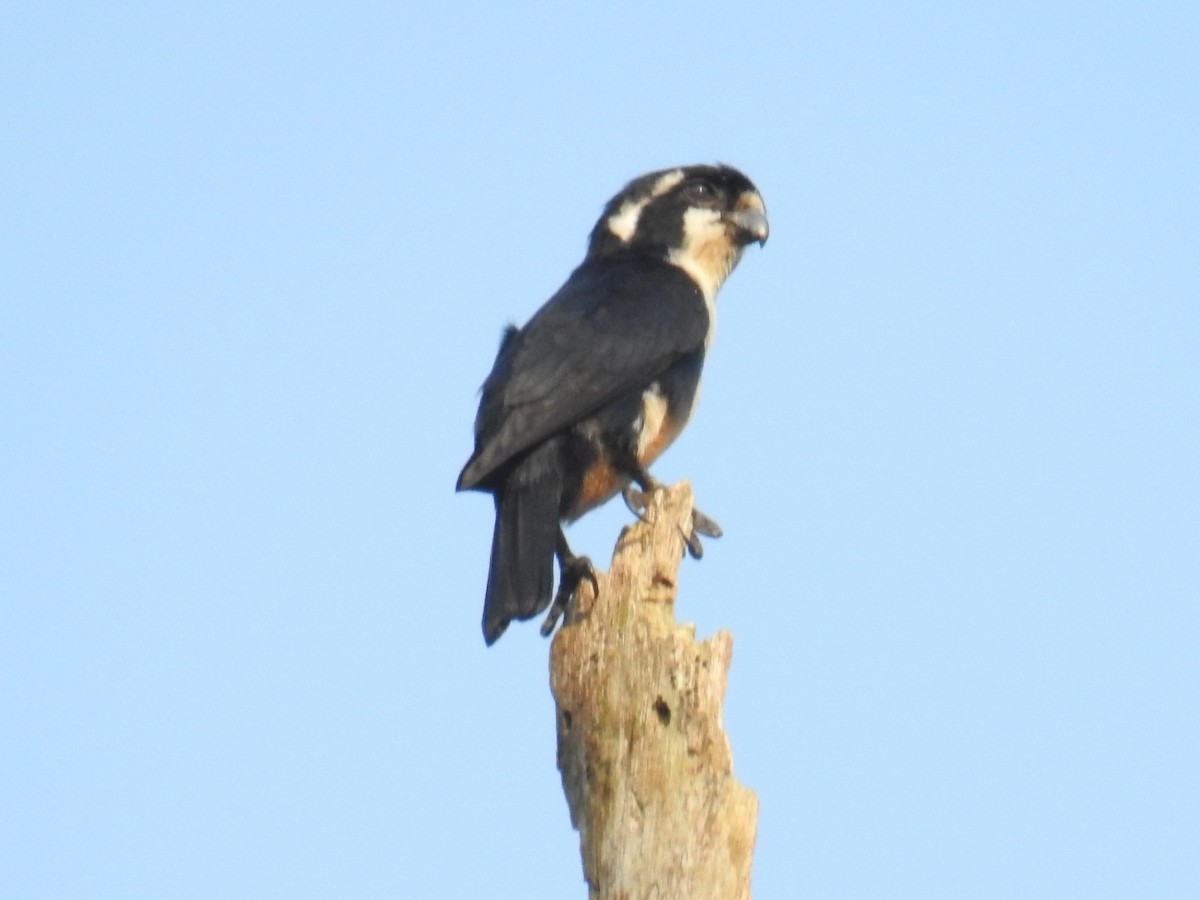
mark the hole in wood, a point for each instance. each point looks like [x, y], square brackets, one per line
[662, 711]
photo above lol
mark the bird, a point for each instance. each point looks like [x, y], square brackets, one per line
[585, 396]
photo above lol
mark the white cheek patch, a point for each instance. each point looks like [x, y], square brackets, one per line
[624, 222]
[654, 414]
[707, 255]
[702, 232]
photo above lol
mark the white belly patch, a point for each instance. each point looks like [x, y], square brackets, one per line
[654, 415]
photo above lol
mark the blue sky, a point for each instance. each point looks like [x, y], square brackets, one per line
[254, 263]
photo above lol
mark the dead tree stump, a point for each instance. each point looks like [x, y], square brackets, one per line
[646, 767]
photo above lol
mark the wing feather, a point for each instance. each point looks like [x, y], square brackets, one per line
[614, 326]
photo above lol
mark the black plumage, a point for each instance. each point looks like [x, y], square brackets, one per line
[585, 396]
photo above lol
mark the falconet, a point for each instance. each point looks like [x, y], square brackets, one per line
[586, 396]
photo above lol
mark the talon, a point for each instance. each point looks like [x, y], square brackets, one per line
[572, 571]
[704, 525]
[701, 525]
[590, 575]
[636, 500]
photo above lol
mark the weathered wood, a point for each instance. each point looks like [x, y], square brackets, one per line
[645, 764]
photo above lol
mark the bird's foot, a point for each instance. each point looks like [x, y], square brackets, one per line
[638, 500]
[572, 571]
[701, 525]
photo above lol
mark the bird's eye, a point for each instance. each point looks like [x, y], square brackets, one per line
[700, 191]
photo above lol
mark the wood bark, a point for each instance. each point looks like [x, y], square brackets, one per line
[646, 766]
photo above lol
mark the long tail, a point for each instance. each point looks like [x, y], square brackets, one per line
[521, 576]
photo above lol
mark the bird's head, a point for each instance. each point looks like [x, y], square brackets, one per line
[697, 217]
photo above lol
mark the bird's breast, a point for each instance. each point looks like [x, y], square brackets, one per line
[600, 482]
[658, 425]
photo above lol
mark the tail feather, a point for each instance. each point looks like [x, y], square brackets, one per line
[521, 576]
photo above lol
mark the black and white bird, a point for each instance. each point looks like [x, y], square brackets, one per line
[603, 378]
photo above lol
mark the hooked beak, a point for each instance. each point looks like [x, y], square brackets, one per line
[749, 219]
